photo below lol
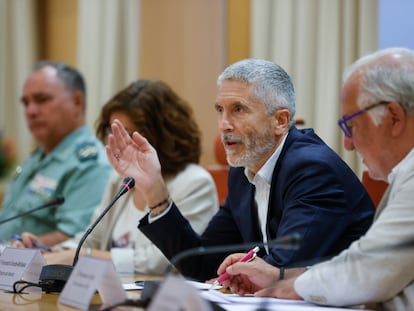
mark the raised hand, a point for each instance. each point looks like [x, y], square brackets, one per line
[135, 157]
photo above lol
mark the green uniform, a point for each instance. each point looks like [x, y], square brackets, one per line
[76, 169]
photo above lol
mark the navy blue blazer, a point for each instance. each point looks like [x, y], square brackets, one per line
[313, 193]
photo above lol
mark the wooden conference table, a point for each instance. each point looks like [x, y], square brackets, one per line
[48, 302]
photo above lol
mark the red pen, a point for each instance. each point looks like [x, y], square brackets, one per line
[250, 255]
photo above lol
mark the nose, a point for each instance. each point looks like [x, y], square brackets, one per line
[30, 108]
[348, 143]
[224, 123]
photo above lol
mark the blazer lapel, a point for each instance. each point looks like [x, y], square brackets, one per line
[249, 221]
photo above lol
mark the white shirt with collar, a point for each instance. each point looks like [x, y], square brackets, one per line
[262, 182]
[404, 163]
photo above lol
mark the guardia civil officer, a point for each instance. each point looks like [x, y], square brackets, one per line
[68, 160]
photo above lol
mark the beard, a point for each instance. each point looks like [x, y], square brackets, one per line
[257, 146]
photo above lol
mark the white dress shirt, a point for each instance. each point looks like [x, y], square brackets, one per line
[262, 181]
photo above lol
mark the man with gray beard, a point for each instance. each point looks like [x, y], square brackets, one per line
[282, 181]
[377, 105]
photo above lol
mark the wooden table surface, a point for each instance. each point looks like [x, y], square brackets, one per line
[48, 302]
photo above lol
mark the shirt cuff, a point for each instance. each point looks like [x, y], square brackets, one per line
[151, 219]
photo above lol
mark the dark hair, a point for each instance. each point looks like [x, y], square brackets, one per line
[71, 78]
[162, 117]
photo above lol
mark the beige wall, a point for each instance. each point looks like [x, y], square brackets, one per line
[59, 23]
[182, 44]
[186, 43]
[238, 33]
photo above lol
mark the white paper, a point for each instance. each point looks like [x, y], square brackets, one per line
[132, 286]
[175, 294]
[91, 274]
[249, 302]
[110, 288]
[20, 264]
[202, 286]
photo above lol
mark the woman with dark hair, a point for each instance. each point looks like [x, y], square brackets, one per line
[156, 111]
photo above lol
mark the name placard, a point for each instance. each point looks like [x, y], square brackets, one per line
[175, 294]
[20, 264]
[91, 274]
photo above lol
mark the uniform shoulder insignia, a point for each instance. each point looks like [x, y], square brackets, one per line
[87, 151]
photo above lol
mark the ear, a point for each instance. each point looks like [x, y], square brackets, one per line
[79, 100]
[281, 121]
[397, 118]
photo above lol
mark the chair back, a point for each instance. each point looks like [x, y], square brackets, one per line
[375, 188]
[220, 170]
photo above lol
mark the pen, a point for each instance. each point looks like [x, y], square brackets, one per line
[250, 255]
[35, 244]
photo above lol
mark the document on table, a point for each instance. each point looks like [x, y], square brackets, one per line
[197, 285]
[242, 303]
[202, 286]
[132, 286]
[249, 302]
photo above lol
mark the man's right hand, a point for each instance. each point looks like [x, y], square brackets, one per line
[134, 156]
[247, 277]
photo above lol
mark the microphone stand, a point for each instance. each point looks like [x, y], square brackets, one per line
[292, 241]
[127, 185]
[53, 203]
[54, 277]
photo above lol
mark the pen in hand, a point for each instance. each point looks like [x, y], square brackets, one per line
[35, 244]
[250, 255]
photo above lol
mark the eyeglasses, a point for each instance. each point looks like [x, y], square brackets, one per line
[342, 122]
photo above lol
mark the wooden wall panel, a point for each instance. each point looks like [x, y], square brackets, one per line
[59, 30]
[183, 43]
[238, 24]
[186, 43]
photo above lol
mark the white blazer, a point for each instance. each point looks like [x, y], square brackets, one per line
[193, 190]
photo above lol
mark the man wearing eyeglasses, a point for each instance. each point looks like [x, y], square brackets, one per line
[377, 104]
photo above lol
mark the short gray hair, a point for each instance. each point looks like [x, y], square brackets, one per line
[272, 86]
[71, 78]
[386, 75]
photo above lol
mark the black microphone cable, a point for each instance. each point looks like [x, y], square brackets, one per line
[292, 241]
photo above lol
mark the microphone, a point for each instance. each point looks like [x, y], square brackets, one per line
[53, 277]
[52, 203]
